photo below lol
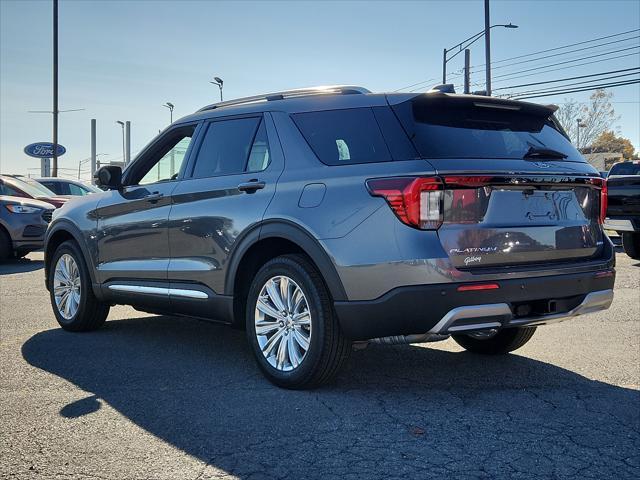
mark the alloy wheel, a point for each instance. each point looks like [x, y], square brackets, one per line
[283, 323]
[67, 286]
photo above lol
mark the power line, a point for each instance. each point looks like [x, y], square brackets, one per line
[568, 61]
[564, 68]
[458, 73]
[561, 47]
[416, 84]
[613, 77]
[568, 78]
[549, 93]
[560, 54]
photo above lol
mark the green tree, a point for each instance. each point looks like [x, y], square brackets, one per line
[608, 142]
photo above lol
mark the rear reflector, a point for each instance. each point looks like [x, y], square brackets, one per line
[416, 201]
[605, 274]
[478, 286]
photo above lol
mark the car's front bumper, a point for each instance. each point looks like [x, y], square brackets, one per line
[443, 309]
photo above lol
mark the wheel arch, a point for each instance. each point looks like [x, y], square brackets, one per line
[269, 240]
[58, 234]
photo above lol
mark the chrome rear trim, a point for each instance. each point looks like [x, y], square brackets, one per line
[472, 311]
[593, 302]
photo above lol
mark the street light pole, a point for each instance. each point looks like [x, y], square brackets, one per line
[170, 106]
[465, 44]
[218, 81]
[124, 158]
[487, 48]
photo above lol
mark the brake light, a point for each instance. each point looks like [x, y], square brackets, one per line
[466, 181]
[604, 201]
[416, 201]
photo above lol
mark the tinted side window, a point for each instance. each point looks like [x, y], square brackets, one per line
[225, 147]
[342, 137]
[58, 188]
[76, 190]
[53, 186]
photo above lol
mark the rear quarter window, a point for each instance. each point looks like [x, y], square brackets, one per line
[344, 137]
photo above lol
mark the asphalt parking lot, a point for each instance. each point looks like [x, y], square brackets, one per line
[162, 397]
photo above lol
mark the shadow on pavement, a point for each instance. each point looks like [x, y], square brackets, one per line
[21, 265]
[395, 412]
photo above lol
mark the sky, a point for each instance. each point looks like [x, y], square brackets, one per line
[122, 60]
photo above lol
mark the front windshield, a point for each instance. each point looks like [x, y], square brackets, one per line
[33, 188]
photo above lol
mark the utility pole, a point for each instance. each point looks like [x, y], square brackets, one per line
[578, 123]
[93, 150]
[127, 141]
[54, 172]
[487, 47]
[467, 73]
[444, 66]
[124, 154]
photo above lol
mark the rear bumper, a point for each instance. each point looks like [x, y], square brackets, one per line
[442, 309]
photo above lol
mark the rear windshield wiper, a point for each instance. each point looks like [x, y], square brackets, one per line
[537, 152]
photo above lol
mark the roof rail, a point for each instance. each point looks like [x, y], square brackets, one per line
[300, 92]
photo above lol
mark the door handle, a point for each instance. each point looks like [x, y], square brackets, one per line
[153, 197]
[251, 186]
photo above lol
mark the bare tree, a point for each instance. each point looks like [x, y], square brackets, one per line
[594, 118]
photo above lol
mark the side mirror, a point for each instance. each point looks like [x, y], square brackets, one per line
[109, 177]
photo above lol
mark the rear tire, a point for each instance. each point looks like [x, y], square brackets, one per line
[631, 244]
[87, 313]
[327, 347]
[504, 341]
[6, 246]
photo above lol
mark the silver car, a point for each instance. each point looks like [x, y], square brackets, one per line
[23, 223]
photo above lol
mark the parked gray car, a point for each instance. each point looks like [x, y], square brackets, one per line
[318, 218]
[23, 223]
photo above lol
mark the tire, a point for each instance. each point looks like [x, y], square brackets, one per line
[6, 246]
[328, 348]
[90, 313]
[631, 244]
[504, 341]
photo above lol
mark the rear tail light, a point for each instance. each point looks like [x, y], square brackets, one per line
[601, 183]
[604, 201]
[416, 201]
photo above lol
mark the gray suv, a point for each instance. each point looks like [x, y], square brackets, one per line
[320, 218]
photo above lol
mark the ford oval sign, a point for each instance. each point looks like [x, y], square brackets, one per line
[43, 150]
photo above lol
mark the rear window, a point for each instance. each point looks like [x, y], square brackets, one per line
[626, 168]
[459, 128]
[342, 137]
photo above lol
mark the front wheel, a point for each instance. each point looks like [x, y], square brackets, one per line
[291, 326]
[631, 244]
[495, 342]
[74, 304]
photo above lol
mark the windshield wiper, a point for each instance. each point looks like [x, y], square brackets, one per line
[538, 152]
